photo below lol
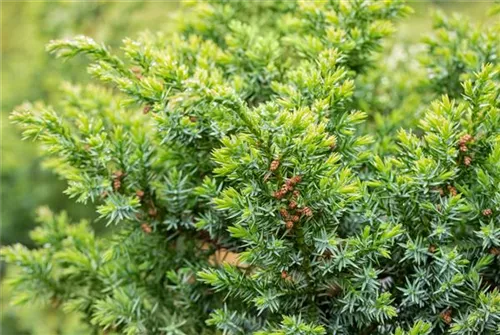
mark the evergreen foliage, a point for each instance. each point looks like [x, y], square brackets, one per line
[29, 73]
[247, 192]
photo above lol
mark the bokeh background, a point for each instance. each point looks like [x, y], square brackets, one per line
[28, 73]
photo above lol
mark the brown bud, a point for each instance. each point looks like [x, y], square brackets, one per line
[284, 274]
[284, 188]
[453, 190]
[495, 251]
[463, 148]
[289, 225]
[193, 119]
[289, 184]
[446, 316]
[139, 193]
[152, 211]
[295, 218]
[296, 179]
[278, 194]
[274, 165]
[146, 228]
[284, 213]
[117, 184]
[307, 211]
[432, 248]
[487, 212]
[146, 109]
[467, 160]
[296, 193]
[292, 204]
[465, 139]
[440, 190]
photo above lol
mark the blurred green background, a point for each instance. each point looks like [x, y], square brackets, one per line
[28, 73]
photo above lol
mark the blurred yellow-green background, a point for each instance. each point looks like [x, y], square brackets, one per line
[29, 73]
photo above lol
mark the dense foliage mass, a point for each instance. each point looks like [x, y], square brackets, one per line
[31, 74]
[251, 195]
